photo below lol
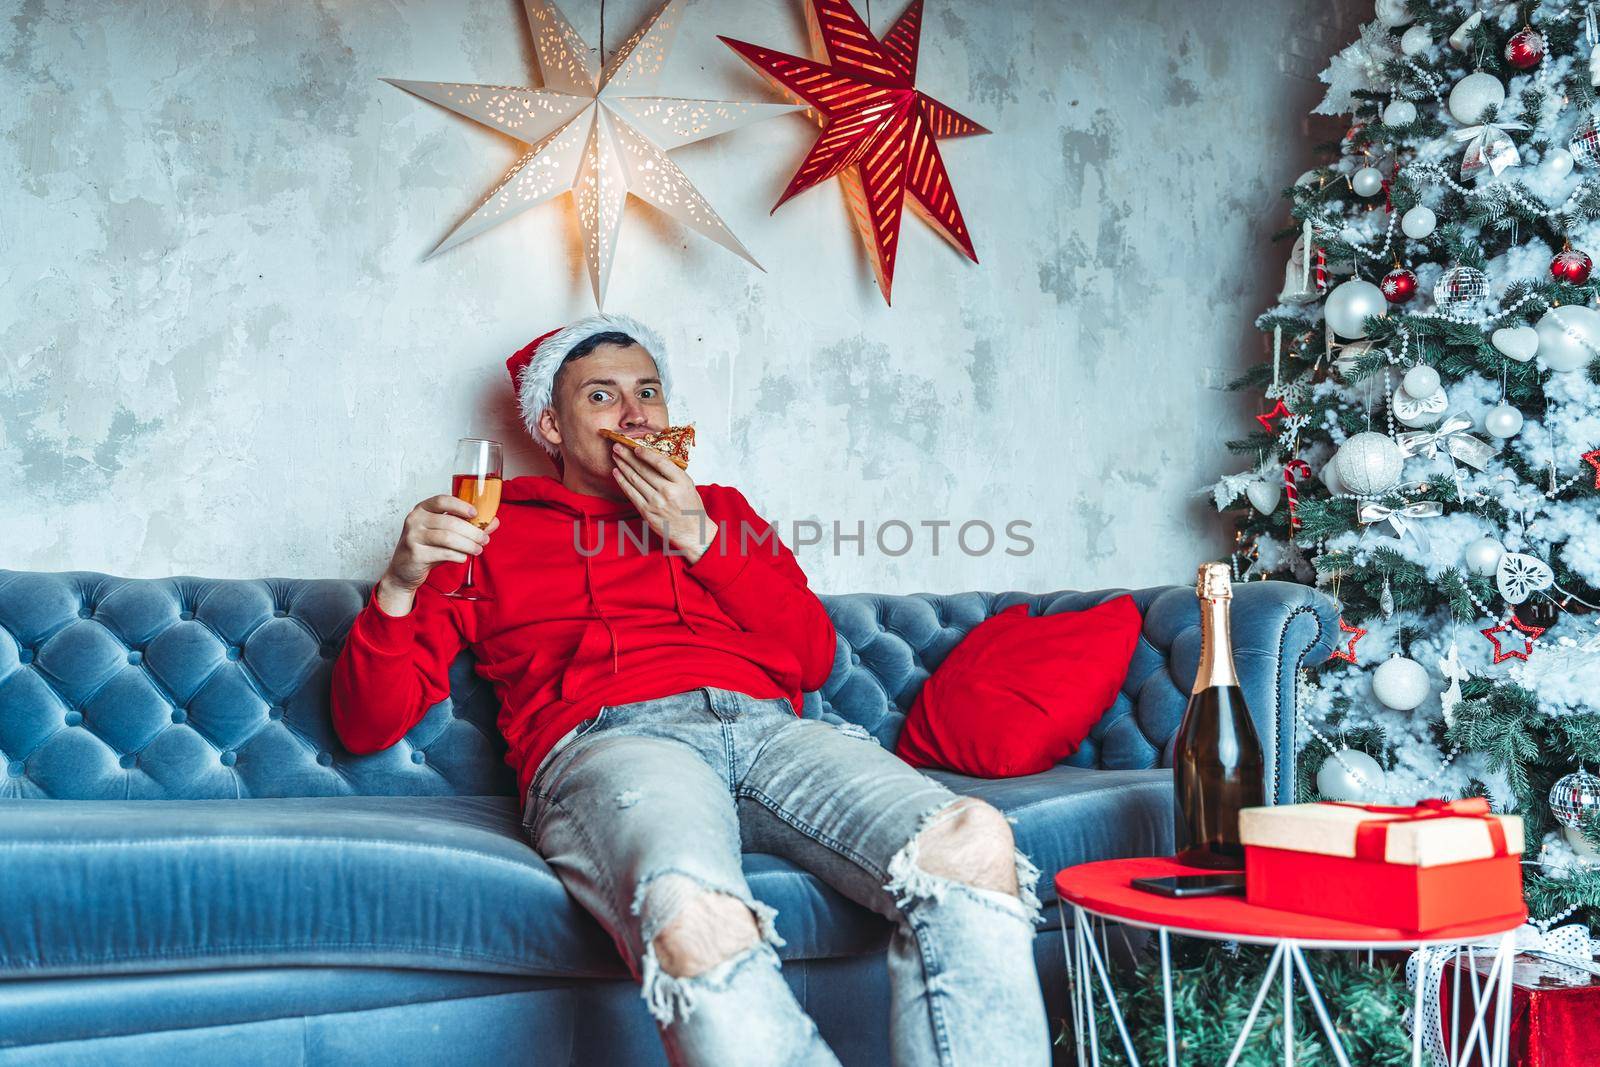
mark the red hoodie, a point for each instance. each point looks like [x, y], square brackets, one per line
[570, 631]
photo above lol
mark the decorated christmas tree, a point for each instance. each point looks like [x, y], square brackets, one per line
[1429, 443]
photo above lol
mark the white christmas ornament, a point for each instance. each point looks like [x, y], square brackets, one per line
[1421, 380]
[1415, 411]
[598, 134]
[1344, 364]
[1264, 495]
[1557, 163]
[1358, 67]
[1568, 337]
[1400, 113]
[1473, 96]
[1297, 287]
[1483, 555]
[1461, 38]
[1503, 421]
[1350, 774]
[1391, 13]
[1454, 673]
[1518, 576]
[1516, 342]
[1418, 222]
[1368, 181]
[1349, 306]
[1415, 40]
[1330, 476]
[1369, 463]
[1579, 844]
[1401, 683]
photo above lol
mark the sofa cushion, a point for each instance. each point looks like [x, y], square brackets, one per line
[95, 887]
[998, 707]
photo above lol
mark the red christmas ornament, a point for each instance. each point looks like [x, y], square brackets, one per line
[1593, 460]
[1279, 411]
[1525, 48]
[1571, 266]
[1529, 635]
[1399, 285]
[878, 132]
[1348, 653]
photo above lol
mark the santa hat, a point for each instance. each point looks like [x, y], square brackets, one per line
[533, 368]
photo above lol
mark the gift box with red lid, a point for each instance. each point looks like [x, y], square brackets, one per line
[1435, 865]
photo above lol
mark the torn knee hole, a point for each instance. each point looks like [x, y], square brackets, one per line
[690, 926]
[694, 934]
[965, 842]
[969, 843]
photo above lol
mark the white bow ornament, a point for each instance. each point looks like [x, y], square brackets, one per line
[1490, 146]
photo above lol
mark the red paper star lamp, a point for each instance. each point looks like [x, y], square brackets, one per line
[878, 132]
[1529, 635]
[1593, 460]
[1348, 654]
[1280, 410]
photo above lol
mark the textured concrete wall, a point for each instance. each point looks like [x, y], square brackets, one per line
[223, 355]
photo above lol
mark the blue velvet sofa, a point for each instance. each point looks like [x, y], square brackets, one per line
[192, 870]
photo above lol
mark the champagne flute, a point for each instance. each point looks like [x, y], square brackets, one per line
[476, 479]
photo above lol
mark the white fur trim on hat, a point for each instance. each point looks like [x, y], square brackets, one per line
[536, 383]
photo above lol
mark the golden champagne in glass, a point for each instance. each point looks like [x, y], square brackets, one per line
[476, 479]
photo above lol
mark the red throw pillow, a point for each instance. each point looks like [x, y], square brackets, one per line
[1020, 693]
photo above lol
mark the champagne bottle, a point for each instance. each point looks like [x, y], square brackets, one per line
[1217, 764]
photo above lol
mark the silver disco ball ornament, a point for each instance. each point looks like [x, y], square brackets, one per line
[1585, 146]
[1574, 798]
[1460, 288]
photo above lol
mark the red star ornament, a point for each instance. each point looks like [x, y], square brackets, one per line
[1279, 411]
[1348, 654]
[878, 131]
[1529, 635]
[1593, 460]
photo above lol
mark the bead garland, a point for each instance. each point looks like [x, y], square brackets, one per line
[1303, 690]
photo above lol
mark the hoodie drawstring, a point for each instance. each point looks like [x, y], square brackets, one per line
[594, 600]
[677, 599]
[588, 578]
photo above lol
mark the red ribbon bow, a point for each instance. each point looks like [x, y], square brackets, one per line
[1372, 835]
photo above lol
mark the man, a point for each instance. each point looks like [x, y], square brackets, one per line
[650, 640]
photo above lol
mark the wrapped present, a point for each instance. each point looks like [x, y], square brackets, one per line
[1555, 1000]
[1429, 867]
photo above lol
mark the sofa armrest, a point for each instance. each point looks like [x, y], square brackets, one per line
[1278, 627]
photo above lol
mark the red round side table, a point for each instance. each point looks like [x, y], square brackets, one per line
[1103, 892]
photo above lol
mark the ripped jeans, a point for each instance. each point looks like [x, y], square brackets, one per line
[652, 802]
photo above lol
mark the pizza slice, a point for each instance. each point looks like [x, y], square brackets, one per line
[673, 442]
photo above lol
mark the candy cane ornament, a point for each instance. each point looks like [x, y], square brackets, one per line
[1294, 469]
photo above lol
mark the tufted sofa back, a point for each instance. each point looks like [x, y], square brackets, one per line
[115, 688]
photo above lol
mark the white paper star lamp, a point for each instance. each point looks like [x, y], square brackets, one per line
[599, 135]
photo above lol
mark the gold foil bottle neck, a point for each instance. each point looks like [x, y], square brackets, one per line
[1214, 587]
[1214, 582]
